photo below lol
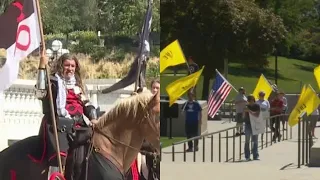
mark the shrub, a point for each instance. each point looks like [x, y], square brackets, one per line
[99, 70]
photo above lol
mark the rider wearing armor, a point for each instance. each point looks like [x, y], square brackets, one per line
[70, 105]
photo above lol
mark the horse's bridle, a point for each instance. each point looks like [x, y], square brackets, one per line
[146, 117]
[97, 149]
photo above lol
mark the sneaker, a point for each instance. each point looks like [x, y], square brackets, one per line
[242, 133]
[279, 138]
[256, 158]
[248, 159]
[189, 150]
[196, 149]
[237, 134]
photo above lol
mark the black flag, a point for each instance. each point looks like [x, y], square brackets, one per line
[142, 57]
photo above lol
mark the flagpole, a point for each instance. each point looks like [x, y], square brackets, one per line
[44, 69]
[226, 80]
[141, 48]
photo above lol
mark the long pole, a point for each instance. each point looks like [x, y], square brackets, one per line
[43, 65]
[141, 48]
[276, 66]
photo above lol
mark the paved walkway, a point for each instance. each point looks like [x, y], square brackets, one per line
[278, 162]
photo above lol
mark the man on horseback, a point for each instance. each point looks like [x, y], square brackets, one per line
[70, 105]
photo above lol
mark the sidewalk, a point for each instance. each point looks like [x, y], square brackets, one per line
[278, 162]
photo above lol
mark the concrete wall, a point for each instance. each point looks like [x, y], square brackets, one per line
[178, 124]
[21, 112]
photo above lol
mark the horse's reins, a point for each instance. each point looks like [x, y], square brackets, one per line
[91, 147]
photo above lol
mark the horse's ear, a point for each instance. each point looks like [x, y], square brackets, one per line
[155, 102]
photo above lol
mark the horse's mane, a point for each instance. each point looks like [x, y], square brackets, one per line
[128, 108]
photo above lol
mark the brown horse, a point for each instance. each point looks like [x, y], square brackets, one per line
[115, 143]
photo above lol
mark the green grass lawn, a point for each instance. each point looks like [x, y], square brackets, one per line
[292, 74]
[168, 142]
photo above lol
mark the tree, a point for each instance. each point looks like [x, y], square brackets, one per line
[216, 29]
[123, 17]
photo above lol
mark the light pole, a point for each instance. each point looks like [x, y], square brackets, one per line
[56, 50]
[56, 46]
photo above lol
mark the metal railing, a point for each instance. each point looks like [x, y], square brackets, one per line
[305, 141]
[228, 107]
[266, 139]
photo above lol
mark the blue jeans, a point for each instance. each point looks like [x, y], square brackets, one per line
[254, 140]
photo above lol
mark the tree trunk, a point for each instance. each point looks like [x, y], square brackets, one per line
[205, 86]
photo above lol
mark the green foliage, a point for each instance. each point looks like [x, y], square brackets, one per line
[153, 70]
[86, 42]
[155, 51]
[217, 29]
[301, 19]
[112, 17]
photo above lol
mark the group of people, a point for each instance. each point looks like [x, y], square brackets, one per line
[246, 105]
[71, 104]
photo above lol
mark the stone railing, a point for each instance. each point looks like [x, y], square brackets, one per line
[21, 112]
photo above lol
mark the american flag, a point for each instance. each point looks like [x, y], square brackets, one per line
[219, 92]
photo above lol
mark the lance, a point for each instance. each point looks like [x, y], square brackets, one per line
[43, 82]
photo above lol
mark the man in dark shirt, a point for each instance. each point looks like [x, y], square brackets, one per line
[192, 111]
[253, 109]
[193, 67]
[276, 109]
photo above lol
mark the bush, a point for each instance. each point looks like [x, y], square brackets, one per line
[51, 37]
[86, 41]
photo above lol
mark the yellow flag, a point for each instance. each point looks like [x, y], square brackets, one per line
[316, 73]
[307, 102]
[262, 85]
[312, 100]
[177, 88]
[171, 55]
[298, 109]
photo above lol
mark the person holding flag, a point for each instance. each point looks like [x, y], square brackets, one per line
[71, 105]
[254, 109]
[193, 115]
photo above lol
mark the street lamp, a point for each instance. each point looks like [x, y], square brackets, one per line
[56, 45]
[56, 50]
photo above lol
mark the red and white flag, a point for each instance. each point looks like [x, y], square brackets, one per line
[19, 36]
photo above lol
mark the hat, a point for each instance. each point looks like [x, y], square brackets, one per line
[262, 93]
[280, 92]
[241, 88]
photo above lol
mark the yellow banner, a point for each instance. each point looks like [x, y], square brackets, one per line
[316, 73]
[177, 88]
[307, 102]
[262, 85]
[171, 55]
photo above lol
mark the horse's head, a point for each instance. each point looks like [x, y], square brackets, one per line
[151, 127]
[138, 113]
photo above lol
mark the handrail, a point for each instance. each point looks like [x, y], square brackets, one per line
[220, 131]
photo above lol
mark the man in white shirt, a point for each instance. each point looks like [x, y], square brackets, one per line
[240, 102]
